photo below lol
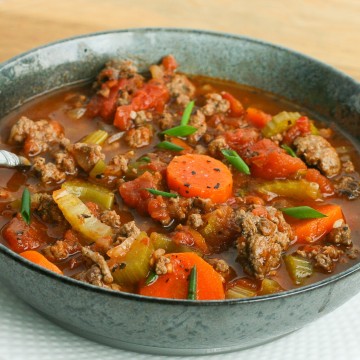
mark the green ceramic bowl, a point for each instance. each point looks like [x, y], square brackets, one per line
[164, 326]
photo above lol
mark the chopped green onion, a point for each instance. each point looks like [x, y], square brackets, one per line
[152, 277]
[235, 160]
[167, 145]
[187, 113]
[182, 130]
[289, 150]
[303, 212]
[145, 159]
[26, 205]
[192, 284]
[162, 193]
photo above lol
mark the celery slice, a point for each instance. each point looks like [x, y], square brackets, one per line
[280, 123]
[80, 217]
[298, 268]
[98, 169]
[90, 192]
[97, 137]
[161, 241]
[269, 286]
[295, 189]
[239, 292]
[136, 260]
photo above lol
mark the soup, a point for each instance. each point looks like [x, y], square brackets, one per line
[177, 186]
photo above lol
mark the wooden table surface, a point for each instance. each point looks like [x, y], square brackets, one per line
[328, 30]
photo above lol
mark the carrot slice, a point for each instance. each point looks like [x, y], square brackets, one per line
[200, 175]
[40, 260]
[175, 284]
[313, 229]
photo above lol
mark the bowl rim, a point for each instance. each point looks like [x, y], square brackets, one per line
[183, 302]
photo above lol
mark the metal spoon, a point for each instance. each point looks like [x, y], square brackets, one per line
[13, 161]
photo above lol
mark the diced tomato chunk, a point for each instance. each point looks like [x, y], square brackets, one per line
[153, 95]
[240, 139]
[236, 108]
[269, 161]
[257, 117]
[21, 236]
[301, 127]
[325, 185]
[134, 192]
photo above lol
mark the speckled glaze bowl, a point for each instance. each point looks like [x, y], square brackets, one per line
[164, 326]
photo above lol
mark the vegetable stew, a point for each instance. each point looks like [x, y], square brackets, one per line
[176, 186]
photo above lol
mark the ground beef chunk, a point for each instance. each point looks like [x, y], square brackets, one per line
[86, 155]
[318, 152]
[140, 137]
[37, 136]
[324, 257]
[166, 120]
[49, 173]
[348, 166]
[340, 235]
[348, 186]
[61, 250]
[195, 221]
[160, 263]
[111, 218]
[116, 69]
[198, 121]
[118, 165]
[66, 163]
[179, 207]
[46, 208]
[95, 277]
[262, 240]
[141, 117]
[128, 231]
[221, 266]
[215, 103]
[99, 260]
[181, 88]
[216, 145]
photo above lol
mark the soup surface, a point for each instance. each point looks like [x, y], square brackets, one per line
[179, 186]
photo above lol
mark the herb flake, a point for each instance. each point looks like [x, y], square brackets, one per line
[162, 193]
[192, 284]
[167, 145]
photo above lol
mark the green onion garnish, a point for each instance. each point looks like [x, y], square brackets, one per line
[152, 277]
[182, 130]
[145, 159]
[289, 150]
[25, 205]
[235, 160]
[187, 113]
[167, 145]
[303, 212]
[192, 284]
[162, 193]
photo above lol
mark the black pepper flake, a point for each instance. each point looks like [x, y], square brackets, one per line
[85, 216]
[167, 280]
[99, 176]
[122, 265]
[193, 172]
[208, 161]
[187, 185]
[208, 187]
[217, 186]
[187, 191]
[217, 169]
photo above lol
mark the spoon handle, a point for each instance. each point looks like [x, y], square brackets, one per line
[11, 160]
